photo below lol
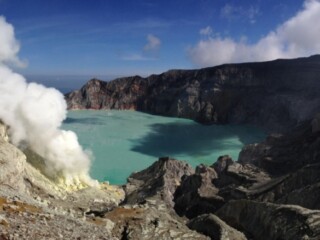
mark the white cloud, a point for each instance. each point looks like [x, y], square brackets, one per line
[232, 12]
[228, 11]
[298, 36]
[149, 53]
[136, 57]
[207, 31]
[153, 43]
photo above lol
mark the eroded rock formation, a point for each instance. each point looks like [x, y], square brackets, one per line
[276, 95]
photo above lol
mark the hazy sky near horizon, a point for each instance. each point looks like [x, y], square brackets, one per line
[117, 37]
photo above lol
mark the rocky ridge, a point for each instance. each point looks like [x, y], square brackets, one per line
[276, 95]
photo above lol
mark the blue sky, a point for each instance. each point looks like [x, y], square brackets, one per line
[117, 37]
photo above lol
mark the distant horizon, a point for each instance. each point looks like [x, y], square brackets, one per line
[108, 77]
[64, 83]
[70, 82]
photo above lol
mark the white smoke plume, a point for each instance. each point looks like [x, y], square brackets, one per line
[35, 113]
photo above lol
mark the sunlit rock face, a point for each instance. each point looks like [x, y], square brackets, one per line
[277, 94]
[124, 93]
[12, 163]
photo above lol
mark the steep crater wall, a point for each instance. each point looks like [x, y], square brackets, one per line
[276, 95]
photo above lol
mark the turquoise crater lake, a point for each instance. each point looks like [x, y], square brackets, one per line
[126, 141]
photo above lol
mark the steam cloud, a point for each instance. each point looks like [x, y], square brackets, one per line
[35, 114]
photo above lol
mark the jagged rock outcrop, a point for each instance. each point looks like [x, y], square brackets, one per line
[266, 221]
[211, 187]
[280, 154]
[257, 198]
[197, 195]
[215, 228]
[302, 188]
[276, 95]
[160, 180]
[147, 211]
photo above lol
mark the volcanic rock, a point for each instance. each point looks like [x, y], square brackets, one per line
[160, 180]
[280, 154]
[271, 221]
[276, 95]
[197, 195]
[214, 227]
[151, 220]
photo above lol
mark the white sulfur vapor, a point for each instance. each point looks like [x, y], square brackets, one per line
[35, 113]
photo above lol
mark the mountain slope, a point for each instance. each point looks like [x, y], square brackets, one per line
[276, 95]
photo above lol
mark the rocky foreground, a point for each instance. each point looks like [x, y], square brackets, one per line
[34, 207]
[272, 192]
[276, 95]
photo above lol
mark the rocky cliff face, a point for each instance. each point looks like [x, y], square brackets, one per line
[276, 95]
